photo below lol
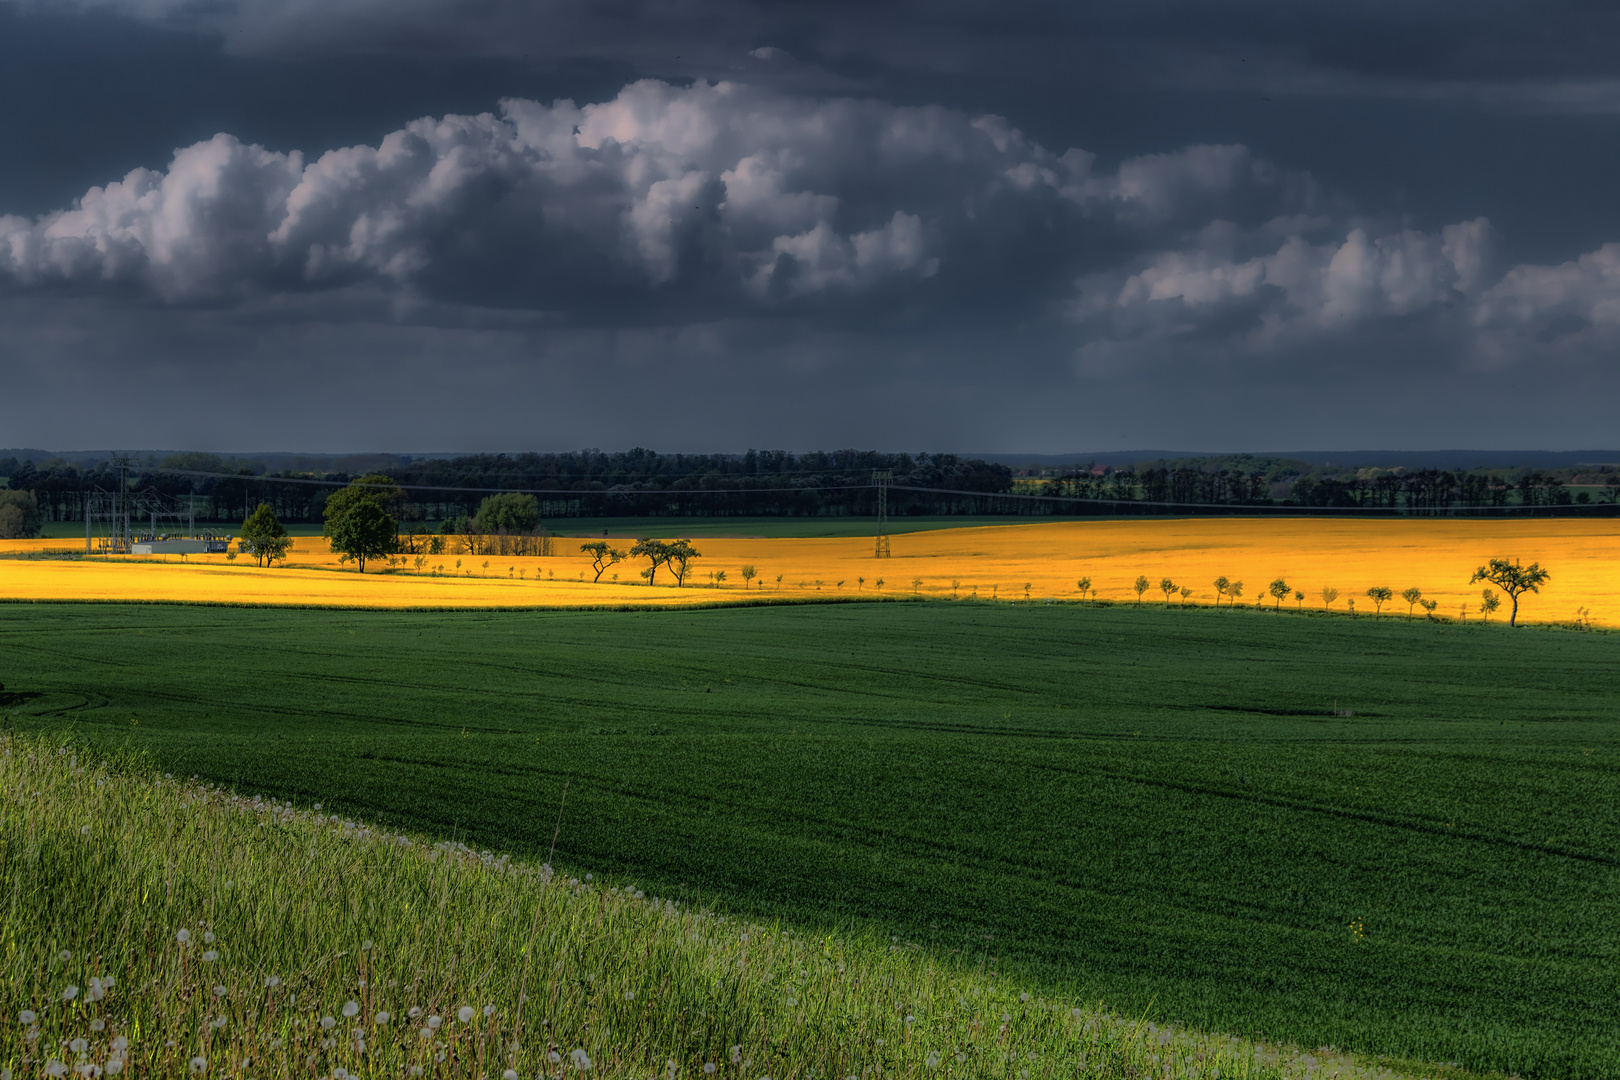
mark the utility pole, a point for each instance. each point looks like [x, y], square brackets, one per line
[881, 479]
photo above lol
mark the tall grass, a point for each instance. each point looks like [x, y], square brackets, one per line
[160, 927]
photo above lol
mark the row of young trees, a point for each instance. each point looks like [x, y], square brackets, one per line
[1511, 577]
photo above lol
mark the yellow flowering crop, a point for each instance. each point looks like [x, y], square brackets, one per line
[1436, 556]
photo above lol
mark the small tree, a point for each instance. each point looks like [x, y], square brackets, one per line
[956, 583]
[1186, 594]
[916, 584]
[860, 583]
[1379, 595]
[1234, 592]
[1142, 585]
[656, 552]
[1512, 579]
[1167, 587]
[1429, 606]
[1279, 590]
[1222, 583]
[779, 582]
[1412, 597]
[1299, 599]
[1084, 585]
[719, 577]
[1329, 594]
[602, 556]
[748, 574]
[264, 537]
[364, 531]
[1488, 603]
[1027, 586]
[878, 584]
[679, 555]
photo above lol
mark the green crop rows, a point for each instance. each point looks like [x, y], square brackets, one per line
[1388, 836]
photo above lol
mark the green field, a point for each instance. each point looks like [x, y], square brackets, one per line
[1182, 808]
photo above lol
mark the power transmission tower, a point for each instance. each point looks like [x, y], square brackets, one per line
[881, 478]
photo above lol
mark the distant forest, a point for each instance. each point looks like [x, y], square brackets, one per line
[643, 483]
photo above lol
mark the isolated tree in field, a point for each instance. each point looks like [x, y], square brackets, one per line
[748, 574]
[264, 537]
[1329, 594]
[375, 488]
[1488, 603]
[1412, 596]
[779, 582]
[1234, 592]
[656, 551]
[1279, 590]
[1379, 595]
[878, 584]
[1084, 585]
[1027, 586]
[1186, 594]
[1142, 585]
[365, 531]
[1512, 579]
[1429, 606]
[916, 584]
[956, 583]
[1299, 599]
[679, 555]
[720, 577]
[1167, 587]
[602, 556]
[1222, 584]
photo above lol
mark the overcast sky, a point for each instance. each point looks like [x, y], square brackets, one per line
[717, 224]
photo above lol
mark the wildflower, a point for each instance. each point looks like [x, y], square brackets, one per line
[208, 937]
[351, 1008]
[629, 995]
[55, 1068]
[340, 1073]
[220, 991]
[327, 1023]
[489, 1010]
[70, 993]
[554, 1057]
[1023, 997]
[120, 1043]
[736, 1055]
[466, 1013]
[413, 1012]
[933, 1059]
[580, 1060]
[708, 1067]
[27, 1016]
[509, 1074]
[416, 1070]
[183, 936]
[199, 1064]
[65, 956]
[98, 1024]
[434, 1021]
[273, 981]
[383, 1017]
[365, 946]
[210, 956]
[114, 1066]
[78, 1046]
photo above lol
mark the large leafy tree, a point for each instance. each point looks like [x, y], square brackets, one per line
[1512, 579]
[373, 488]
[656, 551]
[264, 537]
[365, 531]
[602, 556]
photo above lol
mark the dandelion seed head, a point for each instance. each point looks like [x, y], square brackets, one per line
[383, 1017]
[199, 1064]
[120, 1043]
[55, 1068]
[413, 1012]
[327, 1023]
[210, 956]
[273, 981]
[416, 1070]
[182, 936]
[220, 991]
[466, 1013]
[208, 937]
[78, 1046]
[98, 1024]
[489, 1010]
[351, 1008]
[70, 992]
[27, 1016]
[340, 1073]
[629, 995]
[708, 1067]
[65, 955]
[554, 1057]
[114, 1067]
[579, 1058]
[933, 1059]
[434, 1021]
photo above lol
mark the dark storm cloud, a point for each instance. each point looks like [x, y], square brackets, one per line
[1040, 226]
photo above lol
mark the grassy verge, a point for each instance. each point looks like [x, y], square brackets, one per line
[158, 927]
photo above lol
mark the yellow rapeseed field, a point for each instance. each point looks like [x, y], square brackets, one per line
[1436, 556]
